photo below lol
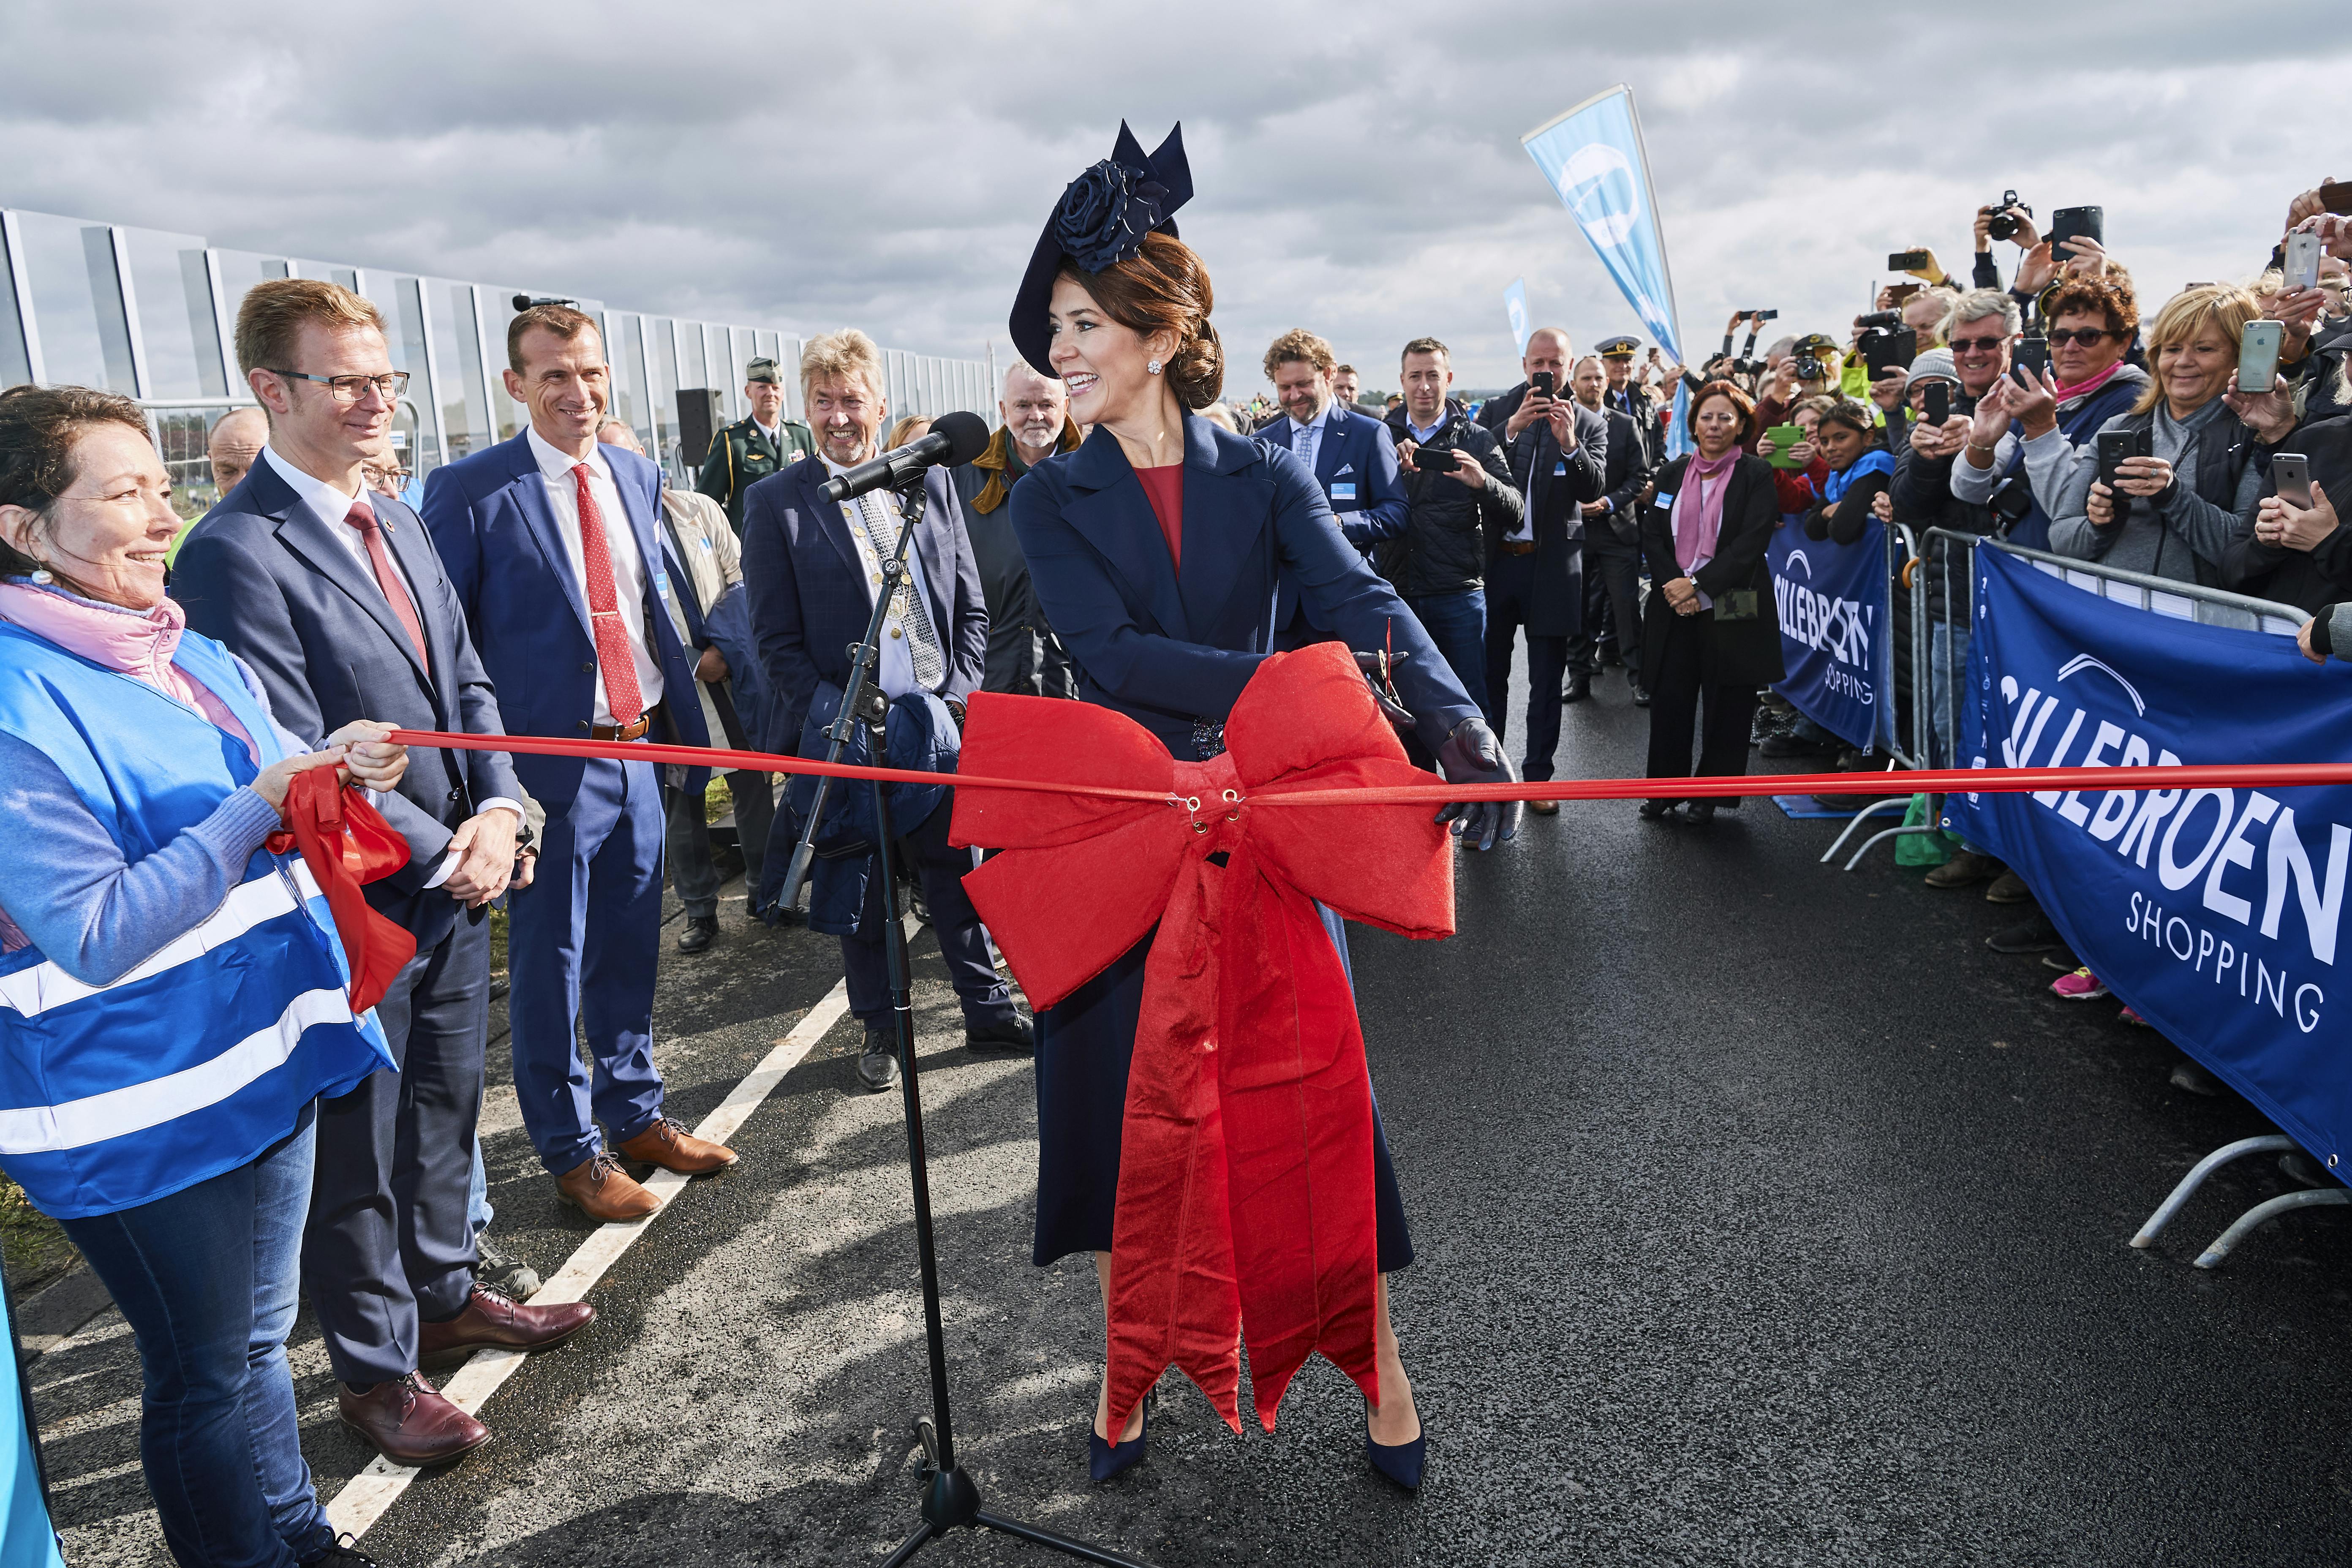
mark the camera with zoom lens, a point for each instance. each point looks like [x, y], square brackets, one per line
[1882, 321]
[2002, 225]
[1811, 368]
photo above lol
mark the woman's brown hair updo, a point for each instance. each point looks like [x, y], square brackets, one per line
[1164, 288]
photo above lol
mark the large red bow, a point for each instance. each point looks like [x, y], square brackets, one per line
[346, 842]
[1245, 1165]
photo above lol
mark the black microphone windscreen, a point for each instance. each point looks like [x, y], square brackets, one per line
[967, 435]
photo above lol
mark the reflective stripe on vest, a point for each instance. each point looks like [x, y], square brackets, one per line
[206, 1053]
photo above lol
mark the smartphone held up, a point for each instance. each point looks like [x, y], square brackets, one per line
[2258, 355]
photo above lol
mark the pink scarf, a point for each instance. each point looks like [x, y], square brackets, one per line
[1698, 509]
[136, 643]
[2068, 393]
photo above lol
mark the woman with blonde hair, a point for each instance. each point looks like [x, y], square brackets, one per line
[2174, 513]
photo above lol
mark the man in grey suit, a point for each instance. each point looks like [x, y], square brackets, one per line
[337, 599]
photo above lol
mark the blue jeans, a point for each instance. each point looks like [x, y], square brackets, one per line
[207, 1279]
[1457, 622]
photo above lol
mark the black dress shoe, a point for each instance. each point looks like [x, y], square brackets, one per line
[878, 1069]
[1579, 687]
[1658, 810]
[1015, 1034]
[784, 915]
[700, 931]
[1701, 811]
[1640, 694]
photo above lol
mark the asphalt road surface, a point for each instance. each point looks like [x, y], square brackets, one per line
[1764, 1215]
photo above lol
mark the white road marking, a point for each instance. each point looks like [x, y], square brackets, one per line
[367, 1495]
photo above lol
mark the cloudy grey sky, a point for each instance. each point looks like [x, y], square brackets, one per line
[1358, 165]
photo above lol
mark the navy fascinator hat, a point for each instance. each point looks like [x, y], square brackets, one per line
[1100, 220]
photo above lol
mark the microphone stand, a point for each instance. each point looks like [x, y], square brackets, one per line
[951, 1497]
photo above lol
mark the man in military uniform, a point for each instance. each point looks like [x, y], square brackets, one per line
[751, 449]
[1629, 397]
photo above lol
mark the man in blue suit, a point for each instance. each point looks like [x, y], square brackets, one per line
[1351, 455]
[812, 568]
[333, 594]
[550, 545]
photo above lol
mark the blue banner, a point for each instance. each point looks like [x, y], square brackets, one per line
[1592, 156]
[2214, 913]
[1515, 301]
[1836, 632]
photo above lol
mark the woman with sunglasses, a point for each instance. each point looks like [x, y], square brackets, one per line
[2173, 513]
[2035, 430]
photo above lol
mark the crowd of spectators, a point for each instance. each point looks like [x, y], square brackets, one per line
[561, 584]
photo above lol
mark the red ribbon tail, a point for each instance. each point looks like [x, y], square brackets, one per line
[345, 842]
[1299, 1140]
[1174, 1296]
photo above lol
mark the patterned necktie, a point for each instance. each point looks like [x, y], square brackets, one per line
[1310, 439]
[387, 577]
[614, 661]
[922, 640]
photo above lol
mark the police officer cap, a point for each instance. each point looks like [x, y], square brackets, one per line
[1814, 343]
[764, 369]
[1619, 347]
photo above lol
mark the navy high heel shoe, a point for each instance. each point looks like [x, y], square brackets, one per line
[1103, 1461]
[1401, 1464]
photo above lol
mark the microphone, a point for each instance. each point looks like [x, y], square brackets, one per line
[953, 438]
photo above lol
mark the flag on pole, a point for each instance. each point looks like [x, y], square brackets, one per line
[1515, 300]
[1592, 156]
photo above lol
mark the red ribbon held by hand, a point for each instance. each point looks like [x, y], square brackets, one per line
[1245, 1198]
[345, 842]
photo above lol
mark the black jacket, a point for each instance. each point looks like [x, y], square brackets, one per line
[1555, 485]
[1025, 658]
[1732, 652]
[1442, 549]
[1622, 480]
[1924, 499]
[2307, 579]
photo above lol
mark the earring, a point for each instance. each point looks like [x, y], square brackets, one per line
[1152, 367]
[42, 575]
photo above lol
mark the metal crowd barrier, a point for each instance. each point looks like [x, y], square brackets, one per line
[1902, 552]
[1951, 562]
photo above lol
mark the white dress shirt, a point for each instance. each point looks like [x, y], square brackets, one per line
[897, 669]
[620, 541]
[331, 506]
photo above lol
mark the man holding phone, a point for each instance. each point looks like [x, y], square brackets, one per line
[1555, 448]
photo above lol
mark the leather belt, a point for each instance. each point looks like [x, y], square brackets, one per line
[636, 731]
[1517, 546]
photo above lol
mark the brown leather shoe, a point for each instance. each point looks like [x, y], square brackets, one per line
[1544, 807]
[409, 1422]
[494, 1318]
[673, 1148]
[600, 1189]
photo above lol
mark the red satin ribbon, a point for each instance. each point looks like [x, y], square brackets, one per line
[1245, 1191]
[1932, 781]
[1244, 1198]
[346, 842]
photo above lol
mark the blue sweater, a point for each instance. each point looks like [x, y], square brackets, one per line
[66, 885]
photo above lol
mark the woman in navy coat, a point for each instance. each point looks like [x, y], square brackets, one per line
[1156, 549]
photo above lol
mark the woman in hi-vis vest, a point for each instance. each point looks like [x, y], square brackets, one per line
[172, 994]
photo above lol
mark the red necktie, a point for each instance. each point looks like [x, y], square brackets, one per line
[614, 660]
[387, 577]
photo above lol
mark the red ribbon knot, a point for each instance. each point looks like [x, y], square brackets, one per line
[1245, 1202]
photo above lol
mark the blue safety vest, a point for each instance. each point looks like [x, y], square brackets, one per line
[199, 1058]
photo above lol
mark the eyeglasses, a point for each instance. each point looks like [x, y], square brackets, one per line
[2061, 336]
[1975, 345]
[349, 389]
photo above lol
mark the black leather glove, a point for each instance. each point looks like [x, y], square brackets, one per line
[1376, 667]
[1473, 755]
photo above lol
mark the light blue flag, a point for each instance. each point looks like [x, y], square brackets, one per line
[1515, 300]
[1592, 156]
